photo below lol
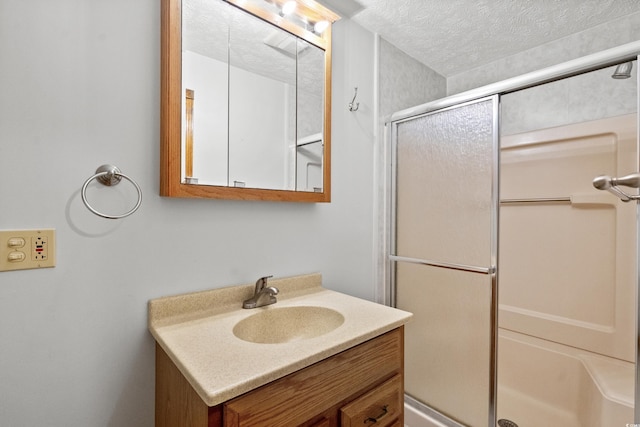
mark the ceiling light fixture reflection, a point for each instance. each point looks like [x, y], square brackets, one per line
[320, 26]
[288, 8]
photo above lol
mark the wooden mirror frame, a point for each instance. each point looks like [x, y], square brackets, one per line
[171, 184]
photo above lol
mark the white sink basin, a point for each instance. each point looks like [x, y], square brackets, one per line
[275, 325]
[224, 350]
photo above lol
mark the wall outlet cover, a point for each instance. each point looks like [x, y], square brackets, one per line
[27, 249]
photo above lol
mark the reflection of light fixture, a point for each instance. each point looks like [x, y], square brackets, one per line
[307, 15]
[320, 26]
[288, 8]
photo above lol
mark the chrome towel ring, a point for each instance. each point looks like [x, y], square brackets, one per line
[110, 175]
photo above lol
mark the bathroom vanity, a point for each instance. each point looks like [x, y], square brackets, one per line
[217, 366]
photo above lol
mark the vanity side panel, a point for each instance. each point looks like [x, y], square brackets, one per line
[320, 388]
[177, 403]
[215, 416]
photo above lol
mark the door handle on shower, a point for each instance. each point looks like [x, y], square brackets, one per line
[632, 180]
[605, 182]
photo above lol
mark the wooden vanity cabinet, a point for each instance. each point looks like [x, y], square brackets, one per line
[361, 386]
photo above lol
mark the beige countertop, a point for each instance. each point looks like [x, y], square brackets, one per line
[196, 332]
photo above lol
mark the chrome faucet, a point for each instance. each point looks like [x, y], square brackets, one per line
[263, 294]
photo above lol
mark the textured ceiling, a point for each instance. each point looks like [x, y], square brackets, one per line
[452, 36]
[223, 32]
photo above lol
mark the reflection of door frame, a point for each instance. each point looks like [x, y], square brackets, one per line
[599, 60]
[188, 133]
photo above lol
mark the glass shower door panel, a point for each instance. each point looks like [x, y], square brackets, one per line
[444, 187]
[444, 254]
[448, 341]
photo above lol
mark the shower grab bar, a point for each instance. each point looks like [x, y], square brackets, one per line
[451, 266]
[605, 182]
[538, 200]
[574, 199]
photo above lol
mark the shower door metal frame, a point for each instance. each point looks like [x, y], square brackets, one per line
[636, 406]
[491, 270]
[585, 64]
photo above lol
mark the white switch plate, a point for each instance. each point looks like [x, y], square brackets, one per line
[25, 249]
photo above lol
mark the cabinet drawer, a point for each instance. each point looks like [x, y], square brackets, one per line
[325, 386]
[380, 406]
[322, 423]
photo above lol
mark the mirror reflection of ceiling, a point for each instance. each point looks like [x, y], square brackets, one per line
[452, 36]
[203, 31]
[211, 26]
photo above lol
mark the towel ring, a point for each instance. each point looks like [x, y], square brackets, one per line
[110, 175]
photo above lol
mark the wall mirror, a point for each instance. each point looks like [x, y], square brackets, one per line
[246, 100]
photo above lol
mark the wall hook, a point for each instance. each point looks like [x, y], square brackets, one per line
[353, 105]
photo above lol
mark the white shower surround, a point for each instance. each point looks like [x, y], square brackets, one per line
[581, 43]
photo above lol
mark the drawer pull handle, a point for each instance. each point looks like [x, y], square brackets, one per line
[385, 410]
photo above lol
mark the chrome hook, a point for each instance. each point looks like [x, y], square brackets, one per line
[353, 101]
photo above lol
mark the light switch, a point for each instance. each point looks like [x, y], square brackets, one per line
[16, 242]
[16, 256]
[26, 249]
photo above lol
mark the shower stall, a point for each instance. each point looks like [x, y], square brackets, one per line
[521, 272]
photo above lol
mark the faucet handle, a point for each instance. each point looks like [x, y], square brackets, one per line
[262, 282]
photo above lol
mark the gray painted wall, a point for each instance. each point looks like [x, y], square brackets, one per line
[402, 83]
[79, 85]
[581, 98]
[578, 99]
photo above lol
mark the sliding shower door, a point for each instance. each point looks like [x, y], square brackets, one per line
[443, 257]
